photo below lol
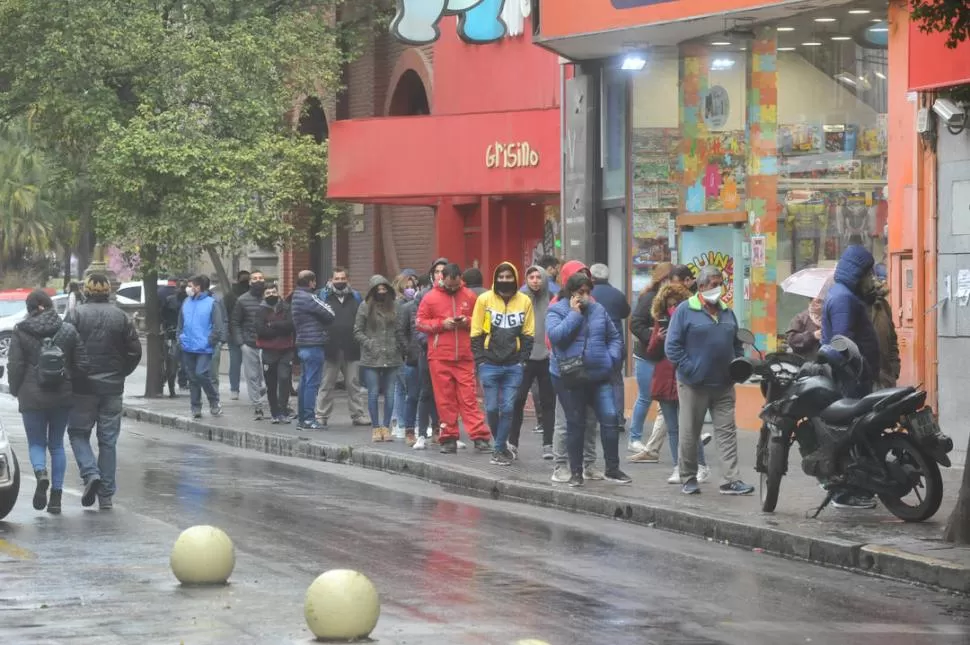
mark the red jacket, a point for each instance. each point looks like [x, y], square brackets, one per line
[437, 305]
[664, 385]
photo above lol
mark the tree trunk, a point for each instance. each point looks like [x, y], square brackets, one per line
[224, 283]
[153, 323]
[958, 526]
[68, 276]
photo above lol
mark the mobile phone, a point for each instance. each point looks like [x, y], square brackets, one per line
[664, 322]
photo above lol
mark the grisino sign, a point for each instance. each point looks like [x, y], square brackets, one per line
[479, 21]
[511, 155]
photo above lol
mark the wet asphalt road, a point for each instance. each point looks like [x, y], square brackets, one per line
[450, 569]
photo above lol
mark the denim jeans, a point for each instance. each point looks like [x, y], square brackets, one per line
[235, 367]
[377, 380]
[197, 366]
[311, 373]
[643, 370]
[427, 409]
[412, 389]
[501, 385]
[45, 433]
[105, 413]
[575, 401]
[671, 410]
[619, 395]
[400, 395]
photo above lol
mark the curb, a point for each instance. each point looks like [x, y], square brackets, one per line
[865, 558]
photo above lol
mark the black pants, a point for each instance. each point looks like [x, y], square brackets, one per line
[537, 371]
[427, 409]
[278, 370]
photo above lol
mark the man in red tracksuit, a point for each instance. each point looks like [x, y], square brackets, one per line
[445, 316]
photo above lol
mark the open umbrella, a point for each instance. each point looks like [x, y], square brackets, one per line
[808, 282]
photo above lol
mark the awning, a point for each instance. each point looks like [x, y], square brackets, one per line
[932, 64]
[411, 159]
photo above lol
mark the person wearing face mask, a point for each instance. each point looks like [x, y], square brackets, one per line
[342, 351]
[235, 351]
[701, 343]
[379, 332]
[243, 331]
[445, 316]
[502, 336]
[274, 338]
[404, 291]
[201, 330]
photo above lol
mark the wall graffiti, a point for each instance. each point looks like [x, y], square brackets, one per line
[722, 261]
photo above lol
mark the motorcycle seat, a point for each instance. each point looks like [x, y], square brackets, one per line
[844, 411]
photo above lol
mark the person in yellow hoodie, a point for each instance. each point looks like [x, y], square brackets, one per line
[503, 331]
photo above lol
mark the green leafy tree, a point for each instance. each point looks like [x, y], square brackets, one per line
[178, 110]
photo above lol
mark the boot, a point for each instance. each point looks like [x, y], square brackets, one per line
[40, 493]
[54, 506]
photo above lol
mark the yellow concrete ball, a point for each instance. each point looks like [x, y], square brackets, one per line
[342, 605]
[203, 555]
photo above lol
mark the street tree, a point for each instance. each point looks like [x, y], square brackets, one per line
[952, 17]
[179, 111]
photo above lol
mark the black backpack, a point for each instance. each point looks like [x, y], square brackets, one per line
[51, 363]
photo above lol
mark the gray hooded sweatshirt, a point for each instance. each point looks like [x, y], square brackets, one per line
[382, 340]
[540, 303]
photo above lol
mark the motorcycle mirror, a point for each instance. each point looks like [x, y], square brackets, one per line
[740, 370]
[746, 336]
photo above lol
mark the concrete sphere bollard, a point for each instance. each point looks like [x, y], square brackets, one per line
[342, 605]
[203, 555]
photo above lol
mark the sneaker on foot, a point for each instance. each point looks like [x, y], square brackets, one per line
[482, 445]
[845, 501]
[513, 449]
[561, 474]
[196, 414]
[258, 414]
[312, 425]
[636, 446]
[409, 437]
[232, 395]
[449, 447]
[547, 453]
[91, 489]
[706, 438]
[501, 458]
[691, 487]
[576, 480]
[617, 476]
[360, 421]
[54, 505]
[674, 476]
[40, 492]
[537, 429]
[377, 435]
[216, 410]
[421, 443]
[645, 457]
[590, 473]
[462, 445]
[737, 487]
[703, 474]
[105, 503]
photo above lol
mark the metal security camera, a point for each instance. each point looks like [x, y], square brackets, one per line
[951, 114]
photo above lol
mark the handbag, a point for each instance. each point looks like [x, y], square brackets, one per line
[572, 370]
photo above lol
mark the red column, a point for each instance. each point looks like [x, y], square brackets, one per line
[487, 260]
[449, 230]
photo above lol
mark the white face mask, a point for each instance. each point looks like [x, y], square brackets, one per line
[189, 292]
[712, 295]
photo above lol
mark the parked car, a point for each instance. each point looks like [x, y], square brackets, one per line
[133, 293]
[9, 472]
[13, 311]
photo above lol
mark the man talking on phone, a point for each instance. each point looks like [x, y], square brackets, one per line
[445, 316]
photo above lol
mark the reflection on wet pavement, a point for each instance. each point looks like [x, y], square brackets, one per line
[449, 569]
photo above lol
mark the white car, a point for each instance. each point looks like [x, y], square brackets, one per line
[13, 311]
[9, 472]
[133, 293]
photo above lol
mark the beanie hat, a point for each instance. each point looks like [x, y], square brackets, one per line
[97, 285]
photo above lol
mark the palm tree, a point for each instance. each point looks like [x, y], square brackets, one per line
[26, 216]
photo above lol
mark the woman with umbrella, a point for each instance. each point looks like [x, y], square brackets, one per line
[804, 335]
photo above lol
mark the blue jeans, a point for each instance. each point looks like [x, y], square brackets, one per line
[45, 433]
[377, 380]
[105, 413]
[671, 410]
[599, 397]
[501, 385]
[311, 373]
[412, 390]
[400, 394]
[643, 369]
[616, 380]
[235, 367]
[197, 367]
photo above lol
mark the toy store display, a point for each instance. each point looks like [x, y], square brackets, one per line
[833, 151]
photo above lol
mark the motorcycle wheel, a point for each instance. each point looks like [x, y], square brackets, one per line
[9, 497]
[924, 473]
[777, 465]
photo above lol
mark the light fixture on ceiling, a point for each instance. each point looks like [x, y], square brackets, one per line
[877, 19]
[633, 62]
[786, 49]
[878, 29]
[721, 64]
[859, 12]
[812, 43]
[880, 75]
[785, 29]
[825, 20]
[841, 38]
[721, 43]
[846, 78]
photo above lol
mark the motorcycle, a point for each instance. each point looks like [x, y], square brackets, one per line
[887, 443]
[9, 472]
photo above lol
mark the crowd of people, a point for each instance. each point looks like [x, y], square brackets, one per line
[425, 348]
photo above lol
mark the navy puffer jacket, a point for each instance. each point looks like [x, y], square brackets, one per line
[568, 331]
[844, 313]
[311, 316]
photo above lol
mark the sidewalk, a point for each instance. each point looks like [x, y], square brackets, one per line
[870, 541]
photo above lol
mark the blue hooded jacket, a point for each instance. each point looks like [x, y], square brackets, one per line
[845, 313]
[568, 331]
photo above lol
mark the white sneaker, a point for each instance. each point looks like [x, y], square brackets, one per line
[561, 474]
[462, 445]
[420, 444]
[398, 431]
[675, 476]
[636, 446]
[591, 474]
[703, 474]
[706, 438]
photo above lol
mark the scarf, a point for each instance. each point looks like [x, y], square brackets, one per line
[815, 312]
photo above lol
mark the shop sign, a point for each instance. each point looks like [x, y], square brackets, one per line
[479, 21]
[717, 106]
[511, 155]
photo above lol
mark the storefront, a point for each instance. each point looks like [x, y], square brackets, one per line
[485, 155]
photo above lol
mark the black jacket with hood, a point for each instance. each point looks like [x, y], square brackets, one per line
[111, 344]
[25, 345]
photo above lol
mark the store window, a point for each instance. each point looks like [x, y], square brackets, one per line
[614, 101]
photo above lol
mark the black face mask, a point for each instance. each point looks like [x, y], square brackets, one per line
[339, 286]
[380, 297]
[505, 288]
[272, 301]
[257, 288]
